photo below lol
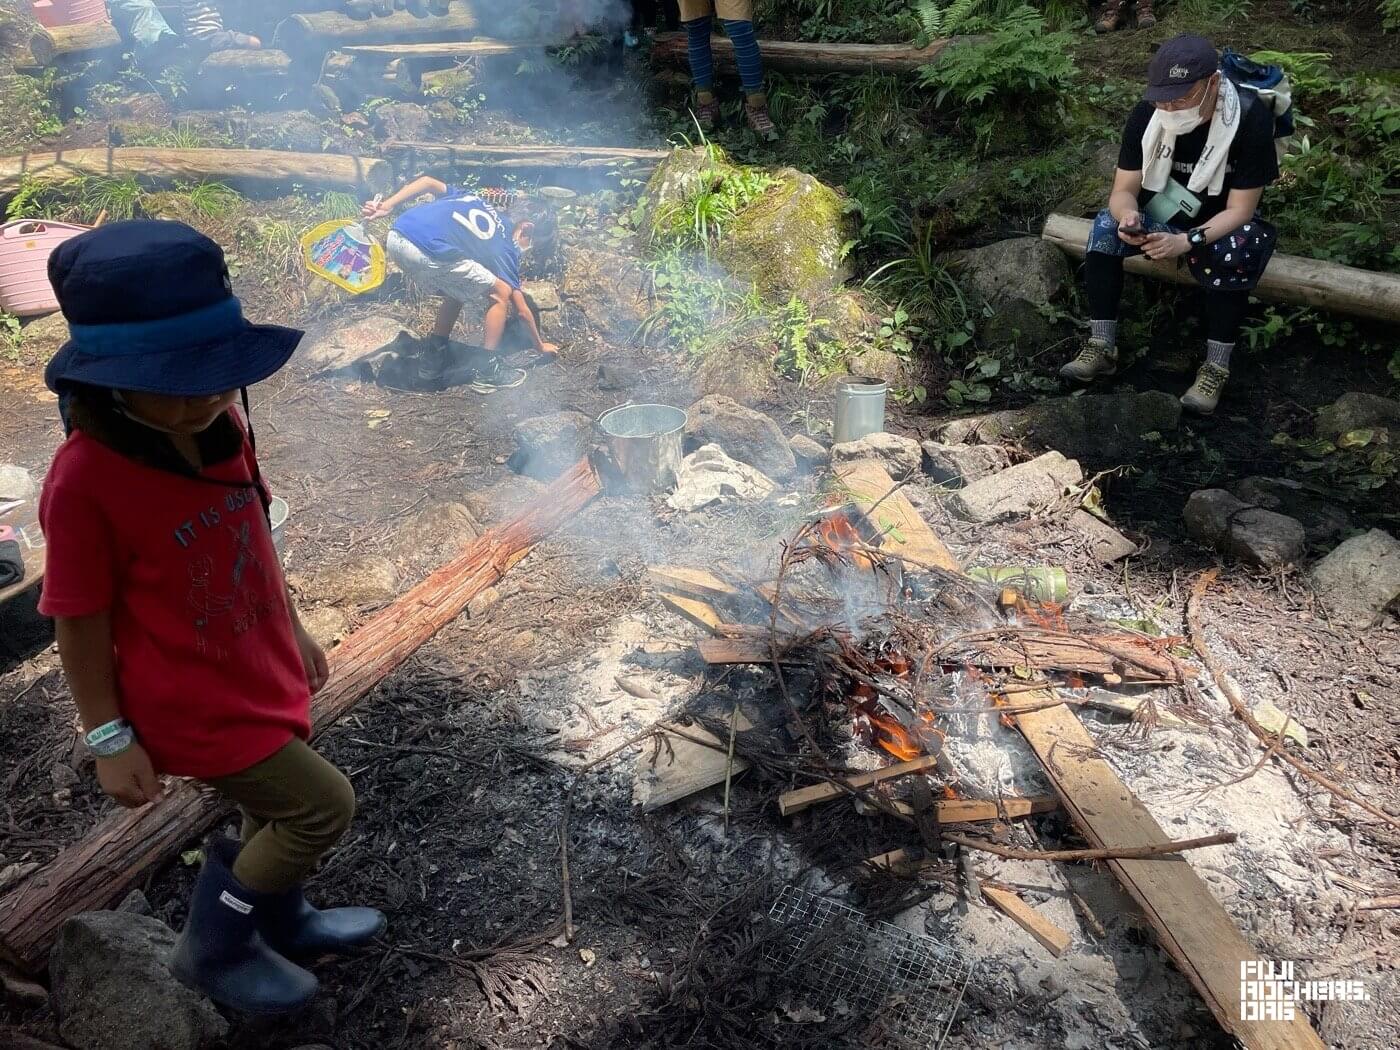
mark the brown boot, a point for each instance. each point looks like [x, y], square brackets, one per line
[706, 110]
[756, 109]
[1146, 19]
[1111, 18]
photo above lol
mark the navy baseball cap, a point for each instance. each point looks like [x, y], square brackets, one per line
[1178, 66]
[150, 307]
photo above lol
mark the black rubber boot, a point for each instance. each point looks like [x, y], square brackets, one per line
[293, 927]
[221, 953]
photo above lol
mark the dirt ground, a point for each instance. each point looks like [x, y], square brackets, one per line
[463, 759]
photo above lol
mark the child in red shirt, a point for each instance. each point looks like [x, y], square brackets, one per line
[179, 640]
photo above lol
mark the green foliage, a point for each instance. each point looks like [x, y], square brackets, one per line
[79, 199]
[805, 348]
[1357, 463]
[213, 200]
[1390, 15]
[699, 311]
[335, 204]
[1215, 11]
[699, 220]
[1014, 71]
[9, 334]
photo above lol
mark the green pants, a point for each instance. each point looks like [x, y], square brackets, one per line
[295, 807]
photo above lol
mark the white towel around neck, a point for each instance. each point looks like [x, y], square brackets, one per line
[1159, 147]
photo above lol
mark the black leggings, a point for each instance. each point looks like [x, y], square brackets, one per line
[661, 14]
[1103, 279]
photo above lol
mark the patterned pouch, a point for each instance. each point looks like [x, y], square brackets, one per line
[1236, 261]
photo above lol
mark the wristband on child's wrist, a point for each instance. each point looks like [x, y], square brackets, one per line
[111, 738]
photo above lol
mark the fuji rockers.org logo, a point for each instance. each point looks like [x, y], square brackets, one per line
[1269, 992]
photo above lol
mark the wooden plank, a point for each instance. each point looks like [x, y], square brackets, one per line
[971, 811]
[796, 801]
[1192, 926]
[1053, 939]
[907, 535]
[701, 613]
[686, 768]
[740, 650]
[1287, 279]
[692, 583]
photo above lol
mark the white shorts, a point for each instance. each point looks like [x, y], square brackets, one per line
[467, 281]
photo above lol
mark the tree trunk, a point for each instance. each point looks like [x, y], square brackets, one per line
[788, 56]
[118, 853]
[242, 68]
[430, 156]
[260, 170]
[86, 42]
[1288, 279]
[309, 36]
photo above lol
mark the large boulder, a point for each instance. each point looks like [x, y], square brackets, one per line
[365, 580]
[790, 240]
[41, 338]
[433, 535]
[1322, 519]
[958, 465]
[404, 121]
[1101, 429]
[1254, 535]
[609, 289]
[112, 988]
[809, 452]
[16, 483]
[899, 455]
[1019, 490]
[546, 446]
[746, 435]
[336, 347]
[1356, 410]
[1360, 579]
[1014, 281]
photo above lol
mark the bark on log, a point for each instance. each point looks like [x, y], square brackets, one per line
[309, 36]
[242, 68]
[1288, 279]
[86, 42]
[430, 156]
[117, 853]
[264, 170]
[790, 56]
[446, 49]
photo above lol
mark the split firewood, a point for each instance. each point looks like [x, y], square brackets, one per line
[701, 613]
[1050, 937]
[681, 765]
[692, 583]
[796, 801]
[1120, 853]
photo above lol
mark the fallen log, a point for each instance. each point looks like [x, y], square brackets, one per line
[1288, 278]
[119, 851]
[84, 43]
[447, 49]
[245, 70]
[791, 56]
[259, 170]
[312, 34]
[433, 156]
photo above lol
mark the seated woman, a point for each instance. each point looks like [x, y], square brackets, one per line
[1194, 161]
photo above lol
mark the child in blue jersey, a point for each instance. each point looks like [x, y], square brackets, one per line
[459, 246]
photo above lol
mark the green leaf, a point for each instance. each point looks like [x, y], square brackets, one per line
[1356, 438]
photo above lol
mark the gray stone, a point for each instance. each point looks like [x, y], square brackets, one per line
[1254, 535]
[135, 903]
[42, 337]
[483, 603]
[1106, 543]
[617, 377]
[1323, 521]
[899, 455]
[1019, 490]
[326, 624]
[544, 295]
[1360, 579]
[609, 289]
[546, 446]
[958, 465]
[360, 581]
[504, 498]
[1356, 410]
[16, 483]
[809, 452]
[708, 476]
[1101, 429]
[433, 535]
[1014, 280]
[404, 121]
[112, 989]
[341, 347]
[746, 435]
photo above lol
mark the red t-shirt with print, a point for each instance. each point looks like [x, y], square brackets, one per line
[208, 669]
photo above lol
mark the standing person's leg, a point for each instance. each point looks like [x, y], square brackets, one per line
[248, 912]
[1225, 313]
[737, 16]
[1103, 286]
[698, 18]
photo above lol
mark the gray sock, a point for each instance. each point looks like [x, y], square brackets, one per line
[1105, 331]
[1218, 353]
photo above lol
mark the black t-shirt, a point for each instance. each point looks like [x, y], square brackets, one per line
[1252, 162]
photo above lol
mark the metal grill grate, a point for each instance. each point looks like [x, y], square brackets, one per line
[910, 983]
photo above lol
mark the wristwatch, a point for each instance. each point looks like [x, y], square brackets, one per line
[1197, 237]
[111, 738]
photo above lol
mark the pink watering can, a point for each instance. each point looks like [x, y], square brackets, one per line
[53, 13]
[25, 246]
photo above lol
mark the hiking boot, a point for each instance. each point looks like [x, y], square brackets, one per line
[1145, 18]
[1204, 394]
[493, 376]
[706, 110]
[1111, 17]
[292, 927]
[1095, 358]
[756, 110]
[220, 951]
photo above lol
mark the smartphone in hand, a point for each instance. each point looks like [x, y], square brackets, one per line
[1134, 230]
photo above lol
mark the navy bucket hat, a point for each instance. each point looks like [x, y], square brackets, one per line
[150, 308]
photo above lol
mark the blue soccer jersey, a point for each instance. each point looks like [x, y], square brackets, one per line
[460, 225]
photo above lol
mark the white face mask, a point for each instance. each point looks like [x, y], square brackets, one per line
[1182, 121]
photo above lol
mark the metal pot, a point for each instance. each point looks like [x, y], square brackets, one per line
[643, 447]
[860, 408]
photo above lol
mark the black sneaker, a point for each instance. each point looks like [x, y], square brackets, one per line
[494, 376]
